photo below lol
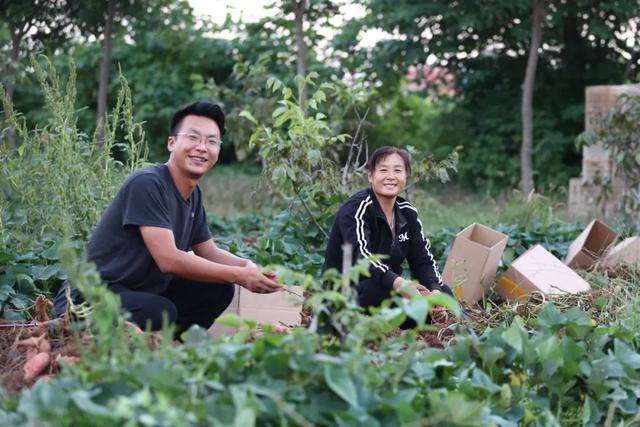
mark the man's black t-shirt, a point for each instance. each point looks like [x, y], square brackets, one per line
[148, 197]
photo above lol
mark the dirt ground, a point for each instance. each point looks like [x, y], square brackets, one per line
[29, 351]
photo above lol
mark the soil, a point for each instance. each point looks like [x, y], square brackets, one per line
[21, 343]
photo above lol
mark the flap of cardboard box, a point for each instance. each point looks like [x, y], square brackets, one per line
[592, 243]
[538, 270]
[626, 252]
[482, 235]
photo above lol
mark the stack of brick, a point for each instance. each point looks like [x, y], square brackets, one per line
[598, 166]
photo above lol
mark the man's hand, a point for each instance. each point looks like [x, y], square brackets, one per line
[253, 280]
[268, 274]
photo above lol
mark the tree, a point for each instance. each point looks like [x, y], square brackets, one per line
[34, 21]
[486, 48]
[299, 9]
[102, 19]
[292, 37]
[164, 53]
[526, 163]
[101, 109]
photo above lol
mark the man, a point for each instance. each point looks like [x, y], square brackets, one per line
[141, 245]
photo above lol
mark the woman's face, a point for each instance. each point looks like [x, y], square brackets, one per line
[389, 177]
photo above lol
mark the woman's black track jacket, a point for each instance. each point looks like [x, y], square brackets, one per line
[361, 222]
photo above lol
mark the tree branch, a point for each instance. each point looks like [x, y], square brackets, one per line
[345, 170]
[306, 208]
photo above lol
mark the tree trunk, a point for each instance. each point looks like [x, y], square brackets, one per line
[526, 150]
[299, 7]
[104, 72]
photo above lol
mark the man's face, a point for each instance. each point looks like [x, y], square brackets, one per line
[195, 148]
[389, 177]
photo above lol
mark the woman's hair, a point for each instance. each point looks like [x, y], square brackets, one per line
[383, 152]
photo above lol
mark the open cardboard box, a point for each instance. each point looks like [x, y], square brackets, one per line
[591, 245]
[283, 306]
[538, 270]
[472, 263]
[625, 253]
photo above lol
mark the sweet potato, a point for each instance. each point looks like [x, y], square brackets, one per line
[40, 342]
[36, 366]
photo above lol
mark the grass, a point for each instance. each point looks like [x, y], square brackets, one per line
[229, 192]
[452, 206]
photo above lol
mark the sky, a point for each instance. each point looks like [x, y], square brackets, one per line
[249, 10]
[253, 10]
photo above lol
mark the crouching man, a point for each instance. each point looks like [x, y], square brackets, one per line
[141, 245]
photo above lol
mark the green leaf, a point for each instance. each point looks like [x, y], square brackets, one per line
[446, 301]
[5, 292]
[82, 399]
[578, 323]
[231, 320]
[24, 284]
[20, 301]
[515, 337]
[481, 380]
[550, 317]
[45, 272]
[417, 308]
[247, 115]
[52, 252]
[245, 417]
[625, 355]
[341, 384]
[300, 83]
[278, 111]
[314, 157]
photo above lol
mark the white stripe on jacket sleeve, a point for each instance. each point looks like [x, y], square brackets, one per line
[362, 242]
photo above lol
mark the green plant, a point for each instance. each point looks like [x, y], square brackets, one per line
[301, 153]
[56, 181]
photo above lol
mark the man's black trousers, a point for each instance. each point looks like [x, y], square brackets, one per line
[184, 303]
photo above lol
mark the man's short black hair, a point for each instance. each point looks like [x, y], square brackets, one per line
[198, 108]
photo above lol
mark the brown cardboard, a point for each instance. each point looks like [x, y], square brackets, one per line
[472, 262]
[625, 253]
[590, 245]
[538, 270]
[283, 306]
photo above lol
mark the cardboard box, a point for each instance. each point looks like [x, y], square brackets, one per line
[538, 270]
[471, 266]
[284, 306]
[625, 253]
[591, 245]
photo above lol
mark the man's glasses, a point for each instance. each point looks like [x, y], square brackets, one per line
[195, 138]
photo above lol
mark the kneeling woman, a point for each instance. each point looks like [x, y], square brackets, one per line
[378, 221]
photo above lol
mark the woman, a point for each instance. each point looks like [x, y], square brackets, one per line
[378, 221]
